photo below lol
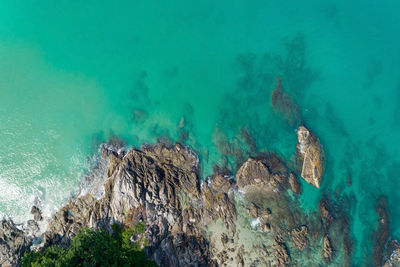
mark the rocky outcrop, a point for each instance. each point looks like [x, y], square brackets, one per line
[299, 236]
[160, 186]
[327, 250]
[13, 244]
[37, 214]
[219, 201]
[311, 156]
[393, 257]
[294, 184]
[255, 174]
[281, 253]
[252, 221]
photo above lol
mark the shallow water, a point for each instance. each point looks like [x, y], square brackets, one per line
[74, 74]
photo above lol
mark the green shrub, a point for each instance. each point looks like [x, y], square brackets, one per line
[93, 248]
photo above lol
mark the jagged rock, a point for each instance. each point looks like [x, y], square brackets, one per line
[299, 237]
[294, 184]
[327, 250]
[393, 257]
[160, 183]
[13, 244]
[32, 227]
[254, 210]
[218, 203]
[37, 214]
[239, 257]
[311, 156]
[325, 207]
[254, 174]
[221, 184]
[177, 155]
[281, 252]
[160, 186]
[113, 162]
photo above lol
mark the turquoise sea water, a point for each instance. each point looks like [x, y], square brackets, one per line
[73, 74]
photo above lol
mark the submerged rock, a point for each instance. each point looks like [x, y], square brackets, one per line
[382, 235]
[311, 156]
[284, 104]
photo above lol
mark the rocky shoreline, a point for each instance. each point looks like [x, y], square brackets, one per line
[250, 219]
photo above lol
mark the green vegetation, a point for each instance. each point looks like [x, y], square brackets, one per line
[95, 248]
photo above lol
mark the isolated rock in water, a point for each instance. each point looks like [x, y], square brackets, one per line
[13, 244]
[327, 250]
[311, 155]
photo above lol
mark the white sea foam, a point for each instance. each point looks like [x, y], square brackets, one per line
[255, 222]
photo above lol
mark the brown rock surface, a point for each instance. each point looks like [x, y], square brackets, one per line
[188, 222]
[255, 174]
[13, 244]
[393, 257]
[299, 237]
[311, 156]
[281, 253]
[161, 191]
[327, 250]
[294, 184]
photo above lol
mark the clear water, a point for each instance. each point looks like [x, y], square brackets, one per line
[73, 74]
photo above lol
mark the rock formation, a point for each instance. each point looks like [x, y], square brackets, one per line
[311, 156]
[13, 243]
[299, 236]
[327, 252]
[294, 184]
[393, 257]
[37, 214]
[252, 221]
